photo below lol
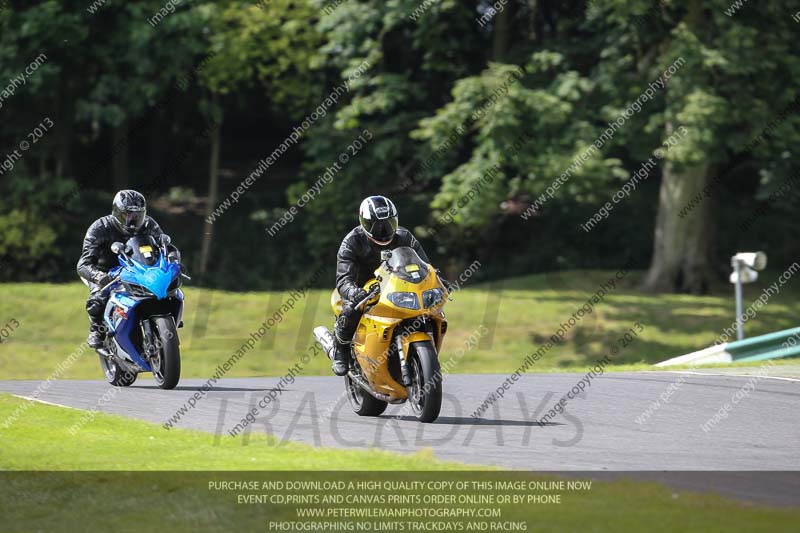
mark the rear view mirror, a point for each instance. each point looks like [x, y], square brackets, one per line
[117, 248]
[166, 240]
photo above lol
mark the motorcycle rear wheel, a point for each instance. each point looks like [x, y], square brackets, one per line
[167, 363]
[363, 403]
[115, 375]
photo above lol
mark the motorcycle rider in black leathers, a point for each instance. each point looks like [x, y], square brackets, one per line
[128, 218]
[359, 255]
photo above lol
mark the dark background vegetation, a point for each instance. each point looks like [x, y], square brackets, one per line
[131, 102]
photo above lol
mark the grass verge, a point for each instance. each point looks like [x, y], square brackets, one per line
[40, 440]
[520, 314]
[114, 497]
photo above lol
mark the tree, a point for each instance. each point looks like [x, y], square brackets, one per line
[411, 61]
[268, 47]
[738, 71]
[718, 77]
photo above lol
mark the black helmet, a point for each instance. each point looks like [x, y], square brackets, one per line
[129, 211]
[378, 217]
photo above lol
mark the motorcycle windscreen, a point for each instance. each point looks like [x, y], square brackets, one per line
[144, 250]
[407, 265]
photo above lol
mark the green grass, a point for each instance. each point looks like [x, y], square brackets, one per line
[40, 439]
[175, 501]
[521, 316]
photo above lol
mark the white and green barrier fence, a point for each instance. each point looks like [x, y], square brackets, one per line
[771, 346]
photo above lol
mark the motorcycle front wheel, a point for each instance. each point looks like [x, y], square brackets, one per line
[425, 392]
[166, 363]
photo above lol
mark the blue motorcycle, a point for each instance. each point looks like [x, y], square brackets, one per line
[144, 310]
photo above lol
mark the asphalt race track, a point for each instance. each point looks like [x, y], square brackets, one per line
[598, 431]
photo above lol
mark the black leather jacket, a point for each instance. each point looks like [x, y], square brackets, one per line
[97, 255]
[358, 258]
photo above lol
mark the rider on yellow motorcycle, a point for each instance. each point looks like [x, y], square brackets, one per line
[359, 255]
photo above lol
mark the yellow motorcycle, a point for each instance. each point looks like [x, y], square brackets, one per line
[395, 351]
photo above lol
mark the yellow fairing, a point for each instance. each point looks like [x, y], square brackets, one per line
[336, 302]
[417, 336]
[392, 284]
[376, 330]
[371, 346]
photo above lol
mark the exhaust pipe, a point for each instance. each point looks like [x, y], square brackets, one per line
[103, 352]
[359, 381]
[326, 340]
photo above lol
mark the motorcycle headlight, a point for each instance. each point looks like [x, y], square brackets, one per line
[138, 290]
[432, 298]
[407, 300]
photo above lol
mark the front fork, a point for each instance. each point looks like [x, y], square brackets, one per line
[403, 362]
[147, 340]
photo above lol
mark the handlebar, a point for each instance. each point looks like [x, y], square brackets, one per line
[373, 290]
[447, 285]
[376, 289]
[110, 283]
[116, 279]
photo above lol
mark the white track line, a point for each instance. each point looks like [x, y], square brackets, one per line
[31, 399]
[731, 375]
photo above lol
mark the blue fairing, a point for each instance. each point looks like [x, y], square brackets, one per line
[123, 338]
[156, 279]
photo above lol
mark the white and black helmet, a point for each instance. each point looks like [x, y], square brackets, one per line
[129, 211]
[378, 217]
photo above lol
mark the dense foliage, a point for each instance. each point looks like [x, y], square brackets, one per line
[489, 127]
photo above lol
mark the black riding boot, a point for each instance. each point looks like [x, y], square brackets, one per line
[341, 357]
[345, 329]
[97, 335]
[95, 306]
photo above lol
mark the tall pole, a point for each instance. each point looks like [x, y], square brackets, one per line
[739, 320]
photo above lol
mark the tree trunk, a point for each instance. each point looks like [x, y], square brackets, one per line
[157, 149]
[213, 186]
[683, 232]
[66, 122]
[697, 271]
[501, 33]
[120, 162]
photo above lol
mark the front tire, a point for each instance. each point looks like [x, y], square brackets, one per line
[166, 364]
[425, 392]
